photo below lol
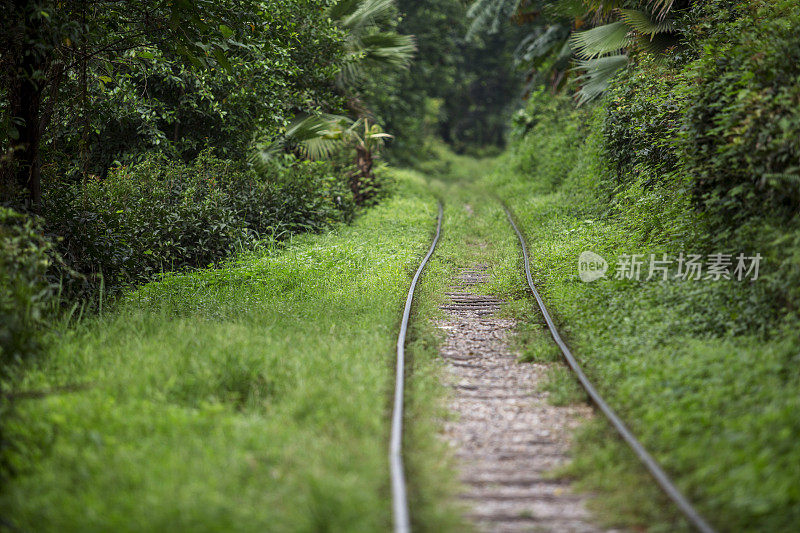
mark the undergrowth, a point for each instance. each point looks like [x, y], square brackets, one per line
[252, 397]
[704, 372]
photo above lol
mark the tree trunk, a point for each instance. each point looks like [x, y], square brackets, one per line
[362, 182]
[21, 166]
[28, 171]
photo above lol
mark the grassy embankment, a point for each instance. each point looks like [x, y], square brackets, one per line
[701, 370]
[253, 397]
[245, 398]
[684, 363]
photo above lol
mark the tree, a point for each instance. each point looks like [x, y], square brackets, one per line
[322, 136]
[600, 33]
[45, 42]
[153, 101]
[370, 43]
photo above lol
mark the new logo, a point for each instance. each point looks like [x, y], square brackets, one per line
[591, 266]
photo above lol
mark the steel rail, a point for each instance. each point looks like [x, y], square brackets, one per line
[650, 463]
[402, 522]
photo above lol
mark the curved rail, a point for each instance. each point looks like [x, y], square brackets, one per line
[650, 463]
[402, 522]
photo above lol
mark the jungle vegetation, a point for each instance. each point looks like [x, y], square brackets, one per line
[182, 166]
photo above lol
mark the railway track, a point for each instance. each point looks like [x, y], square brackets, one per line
[506, 433]
[465, 302]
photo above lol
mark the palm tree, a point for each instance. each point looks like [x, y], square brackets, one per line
[603, 50]
[556, 33]
[366, 44]
[319, 136]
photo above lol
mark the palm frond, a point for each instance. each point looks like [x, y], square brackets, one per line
[564, 53]
[351, 70]
[343, 8]
[661, 8]
[318, 148]
[597, 75]
[386, 49]
[366, 45]
[641, 22]
[541, 43]
[489, 15]
[389, 48]
[312, 126]
[314, 136]
[263, 151]
[601, 40]
[366, 14]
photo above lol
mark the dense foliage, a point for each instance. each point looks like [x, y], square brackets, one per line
[695, 152]
[26, 295]
[742, 127]
[110, 112]
[115, 79]
[460, 88]
[161, 215]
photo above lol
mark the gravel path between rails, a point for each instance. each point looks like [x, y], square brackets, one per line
[506, 436]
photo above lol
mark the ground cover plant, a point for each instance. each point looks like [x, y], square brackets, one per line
[194, 336]
[286, 407]
[703, 371]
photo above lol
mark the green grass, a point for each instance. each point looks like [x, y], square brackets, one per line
[702, 372]
[254, 397]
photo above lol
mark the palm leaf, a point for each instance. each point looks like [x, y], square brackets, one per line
[366, 14]
[490, 15]
[388, 48]
[541, 43]
[662, 7]
[351, 70]
[597, 75]
[314, 136]
[601, 40]
[319, 147]
[343, 8]
[312, 126]
[641, 22]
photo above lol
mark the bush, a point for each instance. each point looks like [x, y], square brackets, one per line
[25, 294]
[643, 117]
[713, 131]
[553, 130]
[742, 121]
[162, 215]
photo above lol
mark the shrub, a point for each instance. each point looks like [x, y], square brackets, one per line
[643, 117]
[742, 122]
[162, 215]
[552, 129]
[25, 294]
